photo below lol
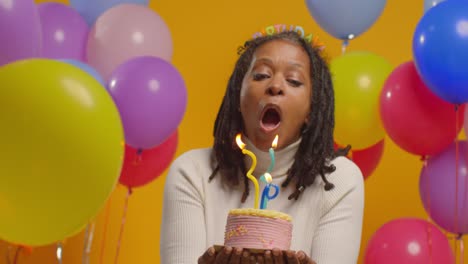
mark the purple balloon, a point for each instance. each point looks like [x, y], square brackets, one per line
[64, 32]
[151, 97]
[20, 32]
[438, 191]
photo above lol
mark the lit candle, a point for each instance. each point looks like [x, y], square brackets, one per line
[272, 154]
[266, 177]
[252, 167]
[266, 191]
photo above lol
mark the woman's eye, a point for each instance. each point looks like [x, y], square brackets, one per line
[294, 83]
[260, 76]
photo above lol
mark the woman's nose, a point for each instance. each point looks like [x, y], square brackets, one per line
[275, 87]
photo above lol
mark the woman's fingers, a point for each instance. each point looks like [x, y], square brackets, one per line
[236, 256]
[208, 257]
[268, 257]
[278, 257]
[245, 259]
[223, 256]
[304, 259]
[291, 257]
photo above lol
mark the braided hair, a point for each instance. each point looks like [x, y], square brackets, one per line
[316, 148]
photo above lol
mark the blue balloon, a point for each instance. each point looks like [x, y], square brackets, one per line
[440, 45]
[90, 10]
[85, 67]
[428, 4]
[345, 19]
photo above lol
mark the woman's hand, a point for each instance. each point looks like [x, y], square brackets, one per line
[277, 256]
[227, 255]
[298, 258]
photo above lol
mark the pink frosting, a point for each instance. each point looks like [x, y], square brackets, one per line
[257, 232]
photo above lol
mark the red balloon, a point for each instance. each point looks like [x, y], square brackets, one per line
[366, 159]
[141, 168]
[408, 240]
[415, 118]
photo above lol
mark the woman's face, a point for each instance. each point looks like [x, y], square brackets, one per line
[275, 94]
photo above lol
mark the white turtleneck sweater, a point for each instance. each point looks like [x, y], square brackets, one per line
[326, 224]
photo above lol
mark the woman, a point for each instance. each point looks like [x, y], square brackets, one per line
[281, 85]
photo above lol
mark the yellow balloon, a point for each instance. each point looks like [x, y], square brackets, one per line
[61, 150]
[358, 78]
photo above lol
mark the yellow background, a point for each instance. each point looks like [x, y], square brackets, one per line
[206, 35]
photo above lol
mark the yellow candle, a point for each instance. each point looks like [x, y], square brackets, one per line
[252, 168]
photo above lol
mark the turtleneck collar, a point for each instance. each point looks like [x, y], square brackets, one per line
[284, 159]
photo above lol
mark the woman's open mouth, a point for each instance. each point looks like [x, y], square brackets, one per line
[270, 118]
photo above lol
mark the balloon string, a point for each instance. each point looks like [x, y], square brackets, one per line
[456, 180]
[462, 248]
[59, 252]
[456, 169]
[17, 253]
[464, 192]
[344, 46]
[122, 225]
[88, 241]
[7, 254]
[428, 186]
[428, 199]
[106, 223]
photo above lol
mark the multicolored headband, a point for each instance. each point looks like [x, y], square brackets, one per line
[278, 28]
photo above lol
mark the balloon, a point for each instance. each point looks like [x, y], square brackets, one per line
[416, 119]
[87, 68]
[358, 78]
[408, 240]
[64, 32]
[124, 32]
[439, 45]
[367, 159]
[151, 97]
[428, 4]
[141, 168]
[90, 10]
[443, 201]
[345, 19]
[62, 150]
[20, 31]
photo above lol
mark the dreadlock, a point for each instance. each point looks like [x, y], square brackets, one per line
[316, 148]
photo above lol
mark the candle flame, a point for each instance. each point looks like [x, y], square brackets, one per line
[268, 177]
[275, 142]
[239, 141]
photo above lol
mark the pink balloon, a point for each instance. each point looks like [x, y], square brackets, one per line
[408, 240]
[124, 32]
[416, 119]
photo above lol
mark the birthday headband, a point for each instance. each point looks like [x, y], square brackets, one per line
[313, 40]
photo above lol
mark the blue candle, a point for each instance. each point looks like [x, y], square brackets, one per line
[266, 191]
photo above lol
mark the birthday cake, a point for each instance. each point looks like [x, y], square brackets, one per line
[258, 229]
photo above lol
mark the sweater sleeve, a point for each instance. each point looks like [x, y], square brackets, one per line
[337, 238]
[183, 230]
